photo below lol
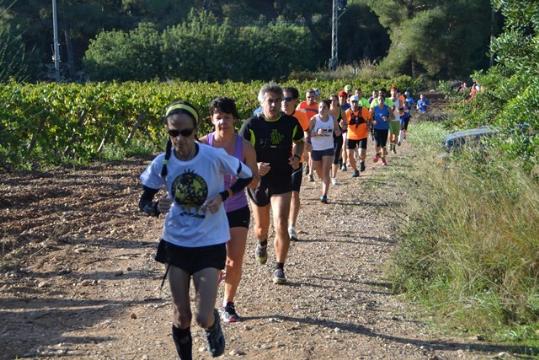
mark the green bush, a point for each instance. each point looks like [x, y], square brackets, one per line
[201, 49]
[117, 55]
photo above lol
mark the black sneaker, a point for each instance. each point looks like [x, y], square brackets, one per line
[355, 174]
[279, 277]
[362, 166]
[324, 199]
[229, 314]
[215, 337]
[343, 167]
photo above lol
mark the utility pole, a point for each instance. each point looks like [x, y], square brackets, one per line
[338, 6]
[334, 38]
[56, 45]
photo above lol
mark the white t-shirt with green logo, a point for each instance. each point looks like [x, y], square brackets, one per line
[190, 183]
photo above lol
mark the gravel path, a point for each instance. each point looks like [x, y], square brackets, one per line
[78, 278]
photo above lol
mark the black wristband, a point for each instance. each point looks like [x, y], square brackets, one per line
[224, 195]
[151, 209]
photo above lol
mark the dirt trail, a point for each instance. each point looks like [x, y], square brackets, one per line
[78, 278]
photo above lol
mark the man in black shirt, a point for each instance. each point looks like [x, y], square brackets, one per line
[278, 142]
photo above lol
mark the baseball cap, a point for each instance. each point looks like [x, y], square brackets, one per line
[342, 93]
[348, 88]
[354, 98]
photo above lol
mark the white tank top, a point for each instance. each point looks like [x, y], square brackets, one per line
[325, 141]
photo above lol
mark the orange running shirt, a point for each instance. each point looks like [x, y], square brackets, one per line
[303, 118]
[310, 109]
[357, 124]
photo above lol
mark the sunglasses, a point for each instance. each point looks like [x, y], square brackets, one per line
[288, 99]
[183, 132]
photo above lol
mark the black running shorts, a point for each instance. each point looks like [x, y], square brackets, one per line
[269, 187]
[297, 175]
[192, 260]
[353, 144]
[239, 218]
[380, 137]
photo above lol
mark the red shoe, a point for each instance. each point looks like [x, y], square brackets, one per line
[384, 161]
[376, 158]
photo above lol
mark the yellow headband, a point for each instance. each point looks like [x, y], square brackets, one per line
[185, 107]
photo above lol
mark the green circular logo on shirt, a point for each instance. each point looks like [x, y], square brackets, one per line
[189, 190]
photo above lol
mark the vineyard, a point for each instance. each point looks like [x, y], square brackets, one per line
[57, 123]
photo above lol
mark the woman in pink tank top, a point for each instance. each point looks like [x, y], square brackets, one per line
[223, 114]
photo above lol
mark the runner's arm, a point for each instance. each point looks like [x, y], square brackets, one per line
[250, 160]
[146, 203]
[336, 127]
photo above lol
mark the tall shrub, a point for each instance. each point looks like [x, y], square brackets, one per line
[118, 55]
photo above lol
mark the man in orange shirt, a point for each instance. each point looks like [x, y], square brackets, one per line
[357, 119]
[310, 107]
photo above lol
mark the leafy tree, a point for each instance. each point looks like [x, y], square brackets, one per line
[442, 38]
[360, 35]
[12, 55]
[200, 48]
[508, 97]
[16, 61]
[125, 56]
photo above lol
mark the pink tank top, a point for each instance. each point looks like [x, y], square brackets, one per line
[238, 200]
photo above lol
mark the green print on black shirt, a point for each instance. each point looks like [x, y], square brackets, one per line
[276, 137]
[273, 141]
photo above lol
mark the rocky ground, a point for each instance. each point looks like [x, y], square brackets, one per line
[78, 279]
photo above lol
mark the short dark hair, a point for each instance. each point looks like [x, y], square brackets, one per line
[225, 105]
[293, 91]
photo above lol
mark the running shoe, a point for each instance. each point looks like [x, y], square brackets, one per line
[355, 174]
[279, 277]
[292, 233]
[343, 167]
[261, 253]
[324, 199]
[215, 337]
[384, 161]
[362, 166]
[376, 158]
[334, 181]
[229, 314]
[311, 178]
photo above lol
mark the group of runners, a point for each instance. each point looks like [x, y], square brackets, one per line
[207, 210]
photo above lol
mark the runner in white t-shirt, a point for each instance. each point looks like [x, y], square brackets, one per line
[195, 231]
[321, 130]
